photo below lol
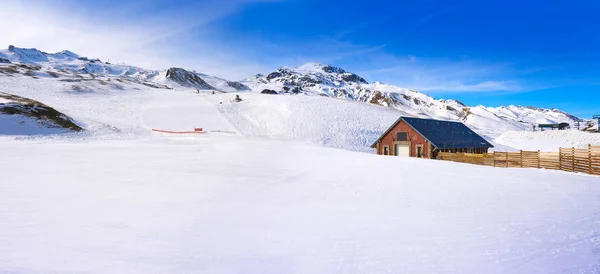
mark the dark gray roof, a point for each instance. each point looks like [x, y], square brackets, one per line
[444, 134]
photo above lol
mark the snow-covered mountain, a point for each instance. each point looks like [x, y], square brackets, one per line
[326, 80]
[309, 79]
[67, 63]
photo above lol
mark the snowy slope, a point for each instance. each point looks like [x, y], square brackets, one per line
[243, 205]
[326, 80]
[325, 121]
[108, 98]
[119, 109]
[311, 78]
[549, 140]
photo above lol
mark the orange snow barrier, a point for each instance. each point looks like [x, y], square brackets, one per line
[196, 131]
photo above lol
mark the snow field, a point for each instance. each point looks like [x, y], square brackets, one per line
[549, 140]
[12, 125]
[318, 120]
[120, 199]
[240, 204]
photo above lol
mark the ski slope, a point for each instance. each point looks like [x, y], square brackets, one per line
[123, 110]
[549, 140]
[230, 204]
[318, 120]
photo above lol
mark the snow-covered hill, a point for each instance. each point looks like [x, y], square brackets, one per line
[325, 121]
[66, 62]
[326, 80]
[549, 140]
[23, 116]
[119, 108]
[51, 73]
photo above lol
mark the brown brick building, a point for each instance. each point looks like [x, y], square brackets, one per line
[424, 138]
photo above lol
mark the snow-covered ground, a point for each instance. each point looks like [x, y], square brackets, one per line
[549, 140]
[319, 120]
[311, 78]
[132, 110]
[230, 204]
[259, 193]
[326, 80]
[15, 125]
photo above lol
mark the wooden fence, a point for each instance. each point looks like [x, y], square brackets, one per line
[585, 160]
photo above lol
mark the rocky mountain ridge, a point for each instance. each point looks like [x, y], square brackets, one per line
[326, 80]
[309, 79]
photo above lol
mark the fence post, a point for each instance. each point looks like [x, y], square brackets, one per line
[590, 159]
[559, 158]
[573, 159]
[494, 159]
[521, 158]
[539, 159]
[506, 159]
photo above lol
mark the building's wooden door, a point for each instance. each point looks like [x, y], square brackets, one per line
[402, 150]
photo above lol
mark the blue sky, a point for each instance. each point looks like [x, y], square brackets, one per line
[541, 53]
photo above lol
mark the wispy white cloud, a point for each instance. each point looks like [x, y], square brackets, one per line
[442, 76]
[149, 35]
[485, 86]
[122, 33]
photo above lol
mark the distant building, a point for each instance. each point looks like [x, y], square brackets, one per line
[561, 126]
[425, 138]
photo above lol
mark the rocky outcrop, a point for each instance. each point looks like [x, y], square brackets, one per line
[45, 115]
[187, 79]
[237, 85]
[268, 91]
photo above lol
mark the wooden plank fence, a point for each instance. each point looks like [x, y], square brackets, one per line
[486, 159]
[584, 160]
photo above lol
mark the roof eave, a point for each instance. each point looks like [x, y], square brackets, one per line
[386, 132]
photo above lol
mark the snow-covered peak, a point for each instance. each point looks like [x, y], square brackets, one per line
[23, 55]
[316, 68]
[65, 54]
[33, 56]
[313, 67]
[310, 79]
[75, 64]
[310, 66]
[327, 80]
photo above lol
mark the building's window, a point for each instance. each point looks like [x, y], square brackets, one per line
[386, 150]
[401, 136]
